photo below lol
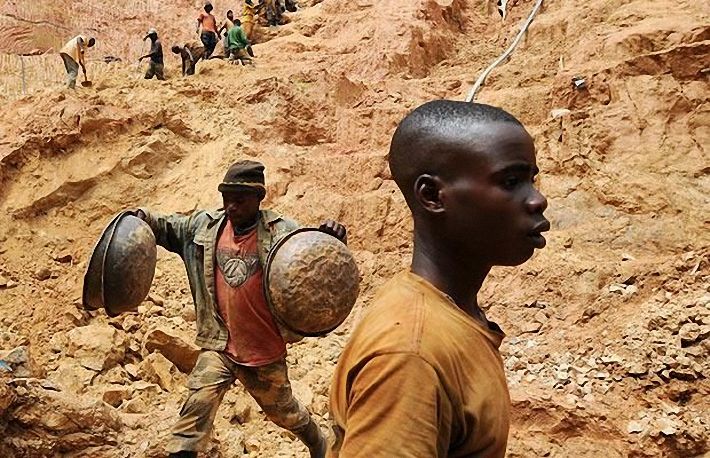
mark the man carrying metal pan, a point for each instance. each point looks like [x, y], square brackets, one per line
[224, 252]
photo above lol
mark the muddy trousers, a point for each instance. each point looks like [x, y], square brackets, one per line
[213, 375]
[72, 68]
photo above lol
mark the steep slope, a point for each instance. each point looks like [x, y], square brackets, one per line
[607, 326]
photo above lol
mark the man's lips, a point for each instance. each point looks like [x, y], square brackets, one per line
[536, 234]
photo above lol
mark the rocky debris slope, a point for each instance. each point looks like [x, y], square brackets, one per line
[607, 326]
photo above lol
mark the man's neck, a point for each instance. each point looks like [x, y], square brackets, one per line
[458, 277]
[246, 227]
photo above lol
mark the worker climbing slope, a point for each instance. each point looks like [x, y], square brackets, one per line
[155, 65]
[207, 28]
[224, 252]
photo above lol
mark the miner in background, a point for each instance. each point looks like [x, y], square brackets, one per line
[249, 18]
[73, 56]
[190, 53]
[224, 252]
[155, 65]
[422, 375]
[238, 44]
[207, 28]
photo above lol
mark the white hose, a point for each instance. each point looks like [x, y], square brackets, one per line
[481, 79]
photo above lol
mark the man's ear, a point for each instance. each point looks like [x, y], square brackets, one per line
[427, 192]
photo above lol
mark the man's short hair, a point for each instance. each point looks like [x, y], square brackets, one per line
[424, 137]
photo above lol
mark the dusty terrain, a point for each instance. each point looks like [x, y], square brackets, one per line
[607, 327]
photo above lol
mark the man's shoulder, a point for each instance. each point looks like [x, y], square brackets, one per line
[393, 322]
[277, 220]
[405, 317]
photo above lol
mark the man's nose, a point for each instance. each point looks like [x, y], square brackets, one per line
[536, 202]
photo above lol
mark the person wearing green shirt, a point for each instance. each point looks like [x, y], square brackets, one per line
[238, 44]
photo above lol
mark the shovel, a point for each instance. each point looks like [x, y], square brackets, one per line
[86, 83]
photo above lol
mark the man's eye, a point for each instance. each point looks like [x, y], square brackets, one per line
[511, 182]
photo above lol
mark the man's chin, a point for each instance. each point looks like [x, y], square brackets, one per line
[517, 258]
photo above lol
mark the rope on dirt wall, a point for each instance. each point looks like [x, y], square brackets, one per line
[482, 79]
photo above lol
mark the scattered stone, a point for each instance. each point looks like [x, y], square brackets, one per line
[188, 313]
[136, 405]
[611, 359]
[637, 369]
[3, 281]
[531, 327]
[156, 299]
[130, 323]
[241, 411]
[252, 445]
[634, 427]
[131, 370]
[157, 369]
[43, 273]
[72, 377]
[75, 317]
[58, 343]
[19, 361]
[667, 426]
[302, 392]
[182, 354]
[689, 333]
[97, 346]
[115, 395]
[541, 317]
[63, 256]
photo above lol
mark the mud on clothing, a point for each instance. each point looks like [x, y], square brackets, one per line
[72, 54]
[213, 375]
[209, 40]
[154, 70]
[190, 54]
[254, 339]
[420, 378]
[73, 49]
[72, 68]
[194, 238]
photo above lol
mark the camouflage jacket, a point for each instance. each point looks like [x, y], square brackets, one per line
[194, 238]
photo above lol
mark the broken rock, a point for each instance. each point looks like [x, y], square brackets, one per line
[18, 359]
[182, 354]
[689, 333]
[158, 369]
[115, 395]
[43, 273]
[72, 377]
[97, 346]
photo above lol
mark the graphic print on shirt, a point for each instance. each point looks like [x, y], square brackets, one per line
[236, 266]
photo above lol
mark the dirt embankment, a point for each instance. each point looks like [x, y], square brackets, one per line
[608, 326]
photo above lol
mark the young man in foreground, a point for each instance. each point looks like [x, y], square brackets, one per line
[422, 375]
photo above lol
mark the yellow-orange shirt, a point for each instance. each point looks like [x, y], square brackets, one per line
[248, 13]
[420, 378]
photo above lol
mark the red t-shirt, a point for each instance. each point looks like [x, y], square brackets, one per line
[254, 339]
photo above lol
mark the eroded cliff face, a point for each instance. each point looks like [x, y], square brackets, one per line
[607, 327]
